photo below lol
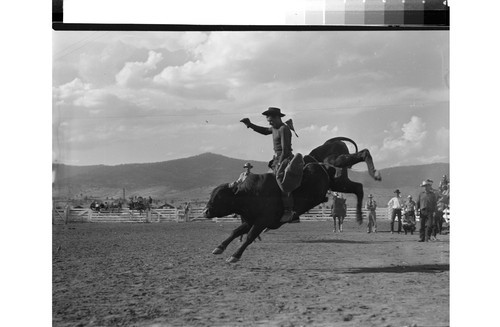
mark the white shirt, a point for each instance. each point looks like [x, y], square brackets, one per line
[395, 203]
[241, 179]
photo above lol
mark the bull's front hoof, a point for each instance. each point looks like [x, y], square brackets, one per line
[378, 177]
[218, 251]
[232, 260]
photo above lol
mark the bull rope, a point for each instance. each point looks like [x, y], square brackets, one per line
[320, 164]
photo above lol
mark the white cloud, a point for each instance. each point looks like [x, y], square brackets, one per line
[133, 73]
[172, 41]
[431, 159]
[212, 129]
[319, 129]
[69, 90]
[414, 133]
[78, 93]
[91, 98]
[188, 78]
[443, 136]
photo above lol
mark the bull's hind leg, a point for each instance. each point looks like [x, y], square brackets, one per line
[345, 185]
[349, 160]
[252, 235]
[240, 230]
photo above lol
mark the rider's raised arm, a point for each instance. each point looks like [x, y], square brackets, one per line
[259, 129]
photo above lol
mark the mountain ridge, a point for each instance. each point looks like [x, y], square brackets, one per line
[196, 176]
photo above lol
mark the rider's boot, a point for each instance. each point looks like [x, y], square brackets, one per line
[288, 214]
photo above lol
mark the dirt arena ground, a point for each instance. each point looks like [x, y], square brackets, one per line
[300, 275]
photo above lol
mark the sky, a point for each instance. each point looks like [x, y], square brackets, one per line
[136, 97]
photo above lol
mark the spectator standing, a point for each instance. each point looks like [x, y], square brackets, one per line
[431, 182]
[339, 209]
[410, 207]
[93, 206]
[443, 202]
[427, 205]
[371, 206]
[409, 220]
[396, 205]
[186, 211]
[248, 167]
[444, 182]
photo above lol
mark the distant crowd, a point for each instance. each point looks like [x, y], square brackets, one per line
[430, 205]
[99, 206]
[140, 203]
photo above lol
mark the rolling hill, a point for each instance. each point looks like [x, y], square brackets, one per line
[194, 178]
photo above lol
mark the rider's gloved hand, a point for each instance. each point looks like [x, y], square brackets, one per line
[246, 121]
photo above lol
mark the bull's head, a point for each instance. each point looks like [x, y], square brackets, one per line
[221, 202]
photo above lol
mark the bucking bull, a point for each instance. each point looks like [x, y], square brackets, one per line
[258, 199]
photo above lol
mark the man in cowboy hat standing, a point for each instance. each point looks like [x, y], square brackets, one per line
[396, 204]
[410, 207]
[427, 204]
[339, 210]
[248, 166]
[444, 182]
[409, 215]
[431, 182]
[371, 206]
[282, 144]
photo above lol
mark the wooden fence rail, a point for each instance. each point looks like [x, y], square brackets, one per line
[74, 215]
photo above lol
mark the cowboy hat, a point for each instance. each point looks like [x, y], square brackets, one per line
[397, 191]
[273, 111]
[425, 183]
[370, 196]
[248, 165]
[430, 181]
[409, 196]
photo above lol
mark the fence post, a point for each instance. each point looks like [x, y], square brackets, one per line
[90, 215]
[54, 213]
[66, 214]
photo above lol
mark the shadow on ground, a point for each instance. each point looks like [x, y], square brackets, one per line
[431, 269]
[400, 269]
[334, 241]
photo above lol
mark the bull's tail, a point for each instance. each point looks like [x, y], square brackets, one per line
[344, 139]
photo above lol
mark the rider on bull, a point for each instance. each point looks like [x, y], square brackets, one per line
[282, 142]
